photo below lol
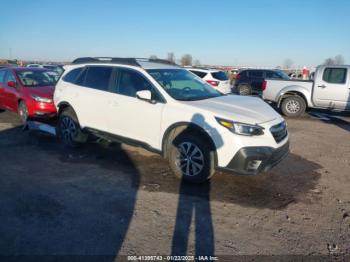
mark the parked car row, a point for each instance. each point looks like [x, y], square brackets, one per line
[192, 119]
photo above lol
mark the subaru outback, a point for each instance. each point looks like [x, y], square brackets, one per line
[166, 109]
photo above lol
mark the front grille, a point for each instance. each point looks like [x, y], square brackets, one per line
[279, 131]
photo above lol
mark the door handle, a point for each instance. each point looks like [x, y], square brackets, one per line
[322, 86]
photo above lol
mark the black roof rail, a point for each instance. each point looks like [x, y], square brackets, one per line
[117, 60]
[120, 60]
[161, 61]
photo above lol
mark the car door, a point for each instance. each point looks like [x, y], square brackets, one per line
[131, 117]
[10, 94]
[89, 95]
[331, 89]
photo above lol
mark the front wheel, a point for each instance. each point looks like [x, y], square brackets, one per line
[191, 159]
[293, 106]
[23, 111]
[68, 129]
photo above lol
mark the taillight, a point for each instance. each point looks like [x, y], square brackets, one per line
[263, 85]
[238, 76]
[213, 83]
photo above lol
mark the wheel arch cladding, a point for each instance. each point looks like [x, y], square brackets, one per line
[185, 127]
[292, 93]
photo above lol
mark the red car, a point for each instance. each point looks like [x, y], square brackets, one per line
[27, 91]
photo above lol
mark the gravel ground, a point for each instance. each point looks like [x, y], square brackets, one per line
[119, 200]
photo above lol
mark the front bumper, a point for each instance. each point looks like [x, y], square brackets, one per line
[42, 110]
[253, 160]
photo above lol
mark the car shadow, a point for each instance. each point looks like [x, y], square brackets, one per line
[64, 202]
[291, 181]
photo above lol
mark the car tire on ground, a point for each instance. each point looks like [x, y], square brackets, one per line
[191, 158]
[293, 106]
[69, 130]
[23, 111]
[244, 90]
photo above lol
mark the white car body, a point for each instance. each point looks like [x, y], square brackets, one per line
[149, 123]
[208, 75]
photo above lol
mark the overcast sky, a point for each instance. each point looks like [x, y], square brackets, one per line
[250, 32]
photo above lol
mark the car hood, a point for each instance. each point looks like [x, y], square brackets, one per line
[251, 110]
[44, 91]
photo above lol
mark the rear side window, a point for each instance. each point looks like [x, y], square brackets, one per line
[98, 77]
[335, 75]
[2, 76]
[200, 74]
[256, 73]
[72, 75]
[220, 75]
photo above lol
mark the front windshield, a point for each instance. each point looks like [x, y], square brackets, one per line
[182, 85]
[33, 78]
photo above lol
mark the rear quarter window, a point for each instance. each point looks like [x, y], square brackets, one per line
[71, 76]
[220, 75]
[199, 73]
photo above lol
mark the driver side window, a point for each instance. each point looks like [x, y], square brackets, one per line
[129, 82]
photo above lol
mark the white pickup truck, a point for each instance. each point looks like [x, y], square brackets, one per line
[330, 89]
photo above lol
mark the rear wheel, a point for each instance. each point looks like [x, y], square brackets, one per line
[23, 111]
[244, 90]
[68, 129]
[191, 159]
[293, 106]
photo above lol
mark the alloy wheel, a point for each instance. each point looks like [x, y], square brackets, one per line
[292, 106]
[190, 159]
[68, 129]
[23, 112]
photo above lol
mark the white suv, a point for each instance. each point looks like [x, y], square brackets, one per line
[166, 109]
[216, 78]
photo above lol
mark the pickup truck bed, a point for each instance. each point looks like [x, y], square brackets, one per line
[276, 88]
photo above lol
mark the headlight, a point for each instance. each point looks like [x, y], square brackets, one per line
[41, 99]
[241, 128]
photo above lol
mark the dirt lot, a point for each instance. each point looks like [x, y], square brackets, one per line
[123, 200]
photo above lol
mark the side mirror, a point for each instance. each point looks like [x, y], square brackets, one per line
[145, 95]
[11, 84]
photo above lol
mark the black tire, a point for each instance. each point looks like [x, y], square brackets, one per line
[23, 111]
[69, 130]
[192, 160]
[244, 90]
[293, 106]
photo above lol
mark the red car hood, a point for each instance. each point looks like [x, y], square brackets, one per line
[44, 91]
